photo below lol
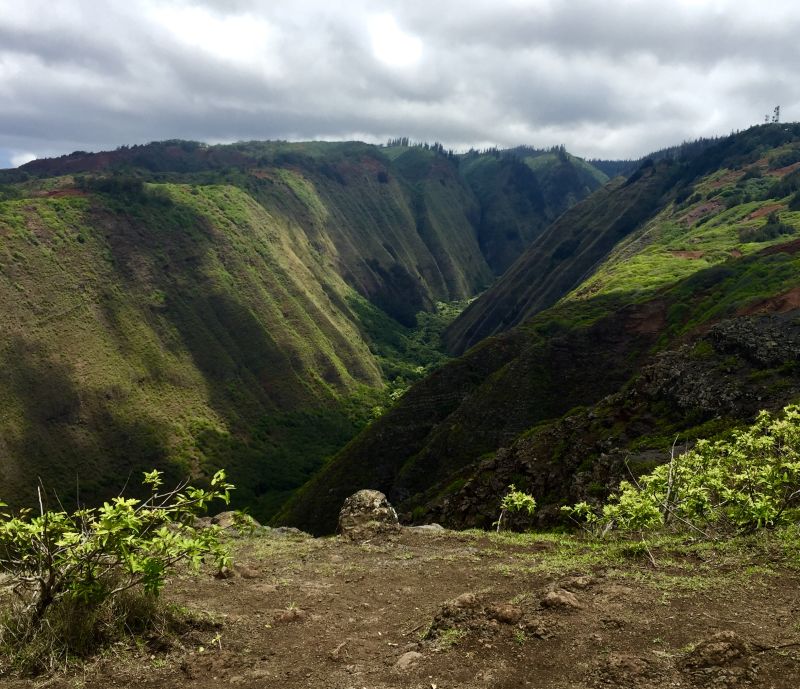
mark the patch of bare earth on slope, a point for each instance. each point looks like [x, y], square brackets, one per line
[430, 608]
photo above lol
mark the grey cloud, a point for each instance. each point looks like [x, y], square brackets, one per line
[611, 79]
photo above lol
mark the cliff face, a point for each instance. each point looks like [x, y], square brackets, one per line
[722, 378]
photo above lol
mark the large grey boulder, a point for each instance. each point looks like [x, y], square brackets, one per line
[367, 514]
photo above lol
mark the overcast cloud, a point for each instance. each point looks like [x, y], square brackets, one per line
[607, 78]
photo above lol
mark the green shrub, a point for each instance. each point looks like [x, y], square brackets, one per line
[83, 579]
[773, 229]
[785, 159]
[513, 502]
[748, 482]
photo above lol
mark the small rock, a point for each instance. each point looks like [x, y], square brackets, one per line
[246, 572]
[505, 613]
[560, 599]
[426, 527]
[465, 600]
[366, 514]
[721, 649]
[289, 531]
[258, 673]
[578, 583]
[537, 630]
[231, 520]
[290, 615]
[408, 660]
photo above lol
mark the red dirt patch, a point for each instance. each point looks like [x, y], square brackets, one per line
[788, 301]
[783, 171]
[765, 210]
[727, 178]
[702, 210]
[57, 193]
[694, 255]
[789, 248]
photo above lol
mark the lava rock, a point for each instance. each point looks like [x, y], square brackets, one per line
[505, 613]
[366, 514]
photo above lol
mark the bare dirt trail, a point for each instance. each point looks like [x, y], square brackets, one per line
[498, 612]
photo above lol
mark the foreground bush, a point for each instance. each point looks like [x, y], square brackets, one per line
[745, 483]
[84, 579]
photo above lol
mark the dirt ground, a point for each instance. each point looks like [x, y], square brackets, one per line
[433, 609]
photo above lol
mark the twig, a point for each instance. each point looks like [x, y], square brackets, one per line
[412, 630]
[670, 479]
[779, 647]
[649, 554]
[635, 481]
[335, 652]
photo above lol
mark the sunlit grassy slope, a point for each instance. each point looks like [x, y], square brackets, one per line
[190, 307]
[669, 221]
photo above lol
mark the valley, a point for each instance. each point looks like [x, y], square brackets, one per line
[316, 319]
[658, 308]
[250, 306]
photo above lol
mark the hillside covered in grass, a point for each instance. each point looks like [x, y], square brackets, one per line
[189, 307]
[663, 307]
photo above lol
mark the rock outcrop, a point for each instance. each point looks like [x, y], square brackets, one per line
[366, 514]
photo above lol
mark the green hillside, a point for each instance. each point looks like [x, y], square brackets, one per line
[521, 192]
[673, 310]
[665, 222]
[189, 307]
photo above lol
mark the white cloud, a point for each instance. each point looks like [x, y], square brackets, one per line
[18, 159]
[613, 79]
[391, 45]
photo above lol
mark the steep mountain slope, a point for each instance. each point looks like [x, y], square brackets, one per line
[570, 250]
[521, 192]
[708, 241]
[559, 258]
[189, 307]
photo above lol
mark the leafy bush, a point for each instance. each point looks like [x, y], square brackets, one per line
[748, 482]
[785, 159]
[123, 186]
[513, 502]
[773, 229]
[76, 576]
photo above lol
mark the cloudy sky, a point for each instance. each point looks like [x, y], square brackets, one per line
[607, 78]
